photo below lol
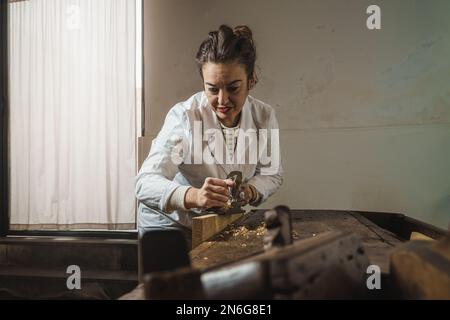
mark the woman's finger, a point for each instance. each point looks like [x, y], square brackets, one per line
[217, 197]
[218, 189]
[219, 182]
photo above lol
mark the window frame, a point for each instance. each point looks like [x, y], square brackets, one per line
[4, 123]
[4, 146]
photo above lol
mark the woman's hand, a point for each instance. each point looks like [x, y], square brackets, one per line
[213, 193]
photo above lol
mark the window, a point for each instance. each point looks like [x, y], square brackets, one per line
[75, 89]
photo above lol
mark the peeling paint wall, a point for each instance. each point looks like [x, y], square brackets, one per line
[365, 115]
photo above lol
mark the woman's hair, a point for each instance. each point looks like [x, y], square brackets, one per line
[229, 45]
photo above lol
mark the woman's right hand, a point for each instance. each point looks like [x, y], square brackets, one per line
[213, 193]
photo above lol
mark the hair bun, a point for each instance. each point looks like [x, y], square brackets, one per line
[229, 45]
[244, 32]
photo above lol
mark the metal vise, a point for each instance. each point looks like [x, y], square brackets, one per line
[279, 227]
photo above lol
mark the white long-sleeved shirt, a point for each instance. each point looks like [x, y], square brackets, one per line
[160, 175]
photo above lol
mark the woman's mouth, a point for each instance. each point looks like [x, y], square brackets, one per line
[223, 110]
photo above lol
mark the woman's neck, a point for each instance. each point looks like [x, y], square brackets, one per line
[231, 124]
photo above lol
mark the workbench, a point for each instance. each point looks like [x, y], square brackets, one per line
[245, 237]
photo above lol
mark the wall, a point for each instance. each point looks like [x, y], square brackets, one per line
[364, 115]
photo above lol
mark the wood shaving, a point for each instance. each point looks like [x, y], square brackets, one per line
[242, 231]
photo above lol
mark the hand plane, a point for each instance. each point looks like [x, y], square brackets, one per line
[234, 204]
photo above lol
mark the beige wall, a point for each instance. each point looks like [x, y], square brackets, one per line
[365, 115]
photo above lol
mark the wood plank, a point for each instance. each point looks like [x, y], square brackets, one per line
[206, 226]
[241, 239]
[420, 236]
[421, 270]
[69, 241]
[384, 235]
[14, 272]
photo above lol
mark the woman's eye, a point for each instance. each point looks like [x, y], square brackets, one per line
[213, 90]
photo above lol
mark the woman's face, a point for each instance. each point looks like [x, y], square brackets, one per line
[227, 88]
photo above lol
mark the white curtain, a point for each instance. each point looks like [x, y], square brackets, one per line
[72, 114]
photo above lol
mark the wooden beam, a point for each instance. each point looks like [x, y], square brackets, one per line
[206, 226]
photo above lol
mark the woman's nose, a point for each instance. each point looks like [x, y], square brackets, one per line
[223, 97]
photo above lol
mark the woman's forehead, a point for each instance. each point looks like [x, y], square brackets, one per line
[223, 73]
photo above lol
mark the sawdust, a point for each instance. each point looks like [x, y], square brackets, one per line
[242, 231]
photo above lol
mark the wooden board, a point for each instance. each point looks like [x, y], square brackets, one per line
[206, 226]
[421, 270]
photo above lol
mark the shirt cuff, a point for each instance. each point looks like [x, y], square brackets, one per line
[176, 200]
[258, 195]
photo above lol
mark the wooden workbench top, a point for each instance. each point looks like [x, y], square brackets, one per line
[244, 238]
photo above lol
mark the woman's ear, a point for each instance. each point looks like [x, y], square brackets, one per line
[253, 80]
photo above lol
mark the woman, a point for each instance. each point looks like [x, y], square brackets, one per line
[203, 139]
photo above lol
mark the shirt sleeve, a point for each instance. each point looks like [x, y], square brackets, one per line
[176, 200]
[154, 182]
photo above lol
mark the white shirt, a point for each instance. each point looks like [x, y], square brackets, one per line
[230, 135]
[159, 177]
